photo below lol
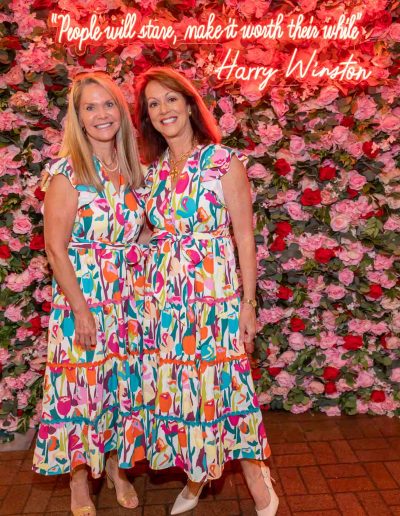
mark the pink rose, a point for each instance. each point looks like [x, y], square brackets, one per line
[251, 91]
[390, 123]
[284, 379]
[393, 342]
[327, 95]
[331, 411]
[336, 292]
[356, 180]
[307, 5]
[346, 276]
[14, 76]
[22, 225]
[296, 341]
[340, 134]
[359, 326]
[300, 409]
[329, 320]
[13, 313]
[379, 328]
[392, 223]
[395, 375]
[364, 380]
[258, 171]
[328, 340]
[394, 31]
[271, 315]
[340, 223]
[316, 387]
[366, 108]
[269, 134]
[355, 149]
[228, 123]
[295, 212]
[297, 145]
[225, 104]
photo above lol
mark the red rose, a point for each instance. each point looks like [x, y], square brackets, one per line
[297, 324]
[282, 167]
[278, 244]
[5, 252]
[284, 292]
[375, 292]
[383, 341]
[11, 42]
[322, 255]
[327, 173]
[39, 194]
[367, 149]
[283, 228]
[274, 371]
[256, 374]
[46, 306]
[352, 193]
[347, 121]
[330, 388]
[36, 326]
[37, 242]
[378, 396]
[331, 373]
[310, 197]
[379, 213]
[250, 145]
[352, 342]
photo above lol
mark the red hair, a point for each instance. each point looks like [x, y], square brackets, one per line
[204, 125]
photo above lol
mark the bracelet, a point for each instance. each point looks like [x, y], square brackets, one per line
[251, 302]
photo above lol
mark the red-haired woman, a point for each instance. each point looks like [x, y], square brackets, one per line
[202, 409]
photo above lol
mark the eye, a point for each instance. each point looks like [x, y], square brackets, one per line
[110, 104]
[89, 107]
[172, 99]
[152, 104]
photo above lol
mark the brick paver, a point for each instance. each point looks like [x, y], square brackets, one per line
[347, 466]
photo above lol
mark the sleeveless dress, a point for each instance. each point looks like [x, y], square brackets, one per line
[201, 407]
[93, 400]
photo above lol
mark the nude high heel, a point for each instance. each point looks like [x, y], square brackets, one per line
[183, 504]
[123, 500]
[272, 507]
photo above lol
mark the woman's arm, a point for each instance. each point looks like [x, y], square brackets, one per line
[237, 196]
[60, 208]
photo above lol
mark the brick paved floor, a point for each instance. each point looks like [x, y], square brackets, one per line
[323, 466]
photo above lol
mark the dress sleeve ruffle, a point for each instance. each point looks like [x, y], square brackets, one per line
[55, 167]
[215, 161]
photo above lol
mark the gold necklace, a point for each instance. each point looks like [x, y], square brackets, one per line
[108, 169]
[174, 171]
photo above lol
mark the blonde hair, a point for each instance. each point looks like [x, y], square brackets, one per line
[77, 147]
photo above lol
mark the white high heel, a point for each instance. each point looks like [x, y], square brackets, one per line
[272, 507]
[183, 504]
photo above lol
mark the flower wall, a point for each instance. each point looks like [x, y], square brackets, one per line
[325, 171]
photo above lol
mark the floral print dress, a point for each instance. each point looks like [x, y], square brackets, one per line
[92, 400]
[201, 407]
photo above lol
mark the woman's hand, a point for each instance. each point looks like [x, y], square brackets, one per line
[247, 326]
[85, 329]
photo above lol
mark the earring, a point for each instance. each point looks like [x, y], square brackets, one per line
[190, 112]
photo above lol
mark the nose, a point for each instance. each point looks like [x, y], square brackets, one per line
[163, 107]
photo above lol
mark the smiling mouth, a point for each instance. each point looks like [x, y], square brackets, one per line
[104, 126]
[168, 121]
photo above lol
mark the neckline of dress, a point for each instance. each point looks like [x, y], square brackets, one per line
[106, 178]
[196, 149]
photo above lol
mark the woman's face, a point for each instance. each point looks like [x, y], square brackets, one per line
[99, 114]
[168, 111]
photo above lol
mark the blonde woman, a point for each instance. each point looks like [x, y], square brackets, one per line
[92, 217]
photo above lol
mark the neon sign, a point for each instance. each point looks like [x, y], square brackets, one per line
[296, 29]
